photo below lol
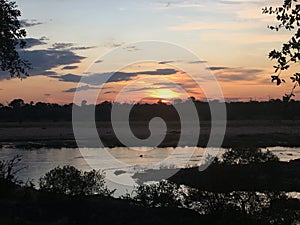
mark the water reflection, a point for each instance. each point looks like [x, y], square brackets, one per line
[40, 161]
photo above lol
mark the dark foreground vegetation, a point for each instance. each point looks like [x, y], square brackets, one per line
[69, 196]
[19, 111]
[240, 169]
[31, 207]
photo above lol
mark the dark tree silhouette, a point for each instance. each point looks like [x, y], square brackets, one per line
[162, 194]
[10, 168]
[11, 38]
[288, 16]
[237, 156]
[71, 181]
[16, 103]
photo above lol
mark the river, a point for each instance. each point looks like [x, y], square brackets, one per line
[37, 162]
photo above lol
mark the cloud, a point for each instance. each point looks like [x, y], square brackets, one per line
[113, 44]
[48, 73]
[227, 74]
[141, 89]
[215, 68]
[177, 61]
[69, 46]
[99, 61]
[82, 88]
[110, 92]
[198, 62]
[168, 62]
[101, 78]
[82, 48]
[177, 4]
[69, 67]
[98, 79]
[29, 23]
[132, 48]
[68, 78]
[185, 85]
[159, 72]
[44, 60]
[31, 42]
[165, 84]
[44, 38]
[59, 46]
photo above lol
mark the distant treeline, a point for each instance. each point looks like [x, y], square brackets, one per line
[19, 111]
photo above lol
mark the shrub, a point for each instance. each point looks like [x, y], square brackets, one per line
[9, 169]
[71, 181]
[162, 194]
[247, 156]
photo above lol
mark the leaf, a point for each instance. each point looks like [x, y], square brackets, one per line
[278, 82]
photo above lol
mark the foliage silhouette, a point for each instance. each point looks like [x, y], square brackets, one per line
[16, 103]
[247, 202]
[71, 181]
[247, 155]
[11, 38]
[288, 16]
[19, 111]
[162, 194]
[234, 207]
[9, 169]
[224, 207]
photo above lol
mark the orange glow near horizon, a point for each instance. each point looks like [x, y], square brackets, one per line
[164, 94]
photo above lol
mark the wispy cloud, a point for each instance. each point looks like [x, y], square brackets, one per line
[82, 88]
[99, 61]
[31, 42]
[168, 5]
[214, 68]
[228, 74]
[198, 62]
[102, 78]
[132, 48]
[29, 23]
[72, 78]
[167, 62]
[69, 46]
[69, 67]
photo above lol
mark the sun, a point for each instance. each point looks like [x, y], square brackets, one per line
[165, 94]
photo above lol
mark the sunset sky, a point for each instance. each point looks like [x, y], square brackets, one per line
[67, 37]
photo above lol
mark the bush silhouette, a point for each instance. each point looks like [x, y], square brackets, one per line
[247, 155]
[236, 207]
[10, 168]
[71, 181]
[162, 194]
